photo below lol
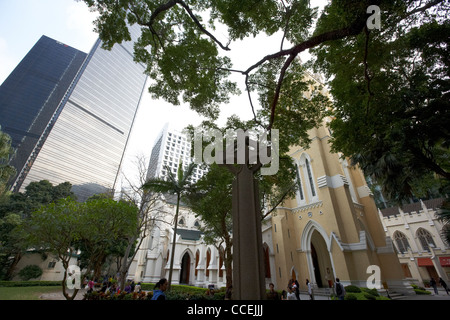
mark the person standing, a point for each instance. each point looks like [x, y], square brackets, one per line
[443, 284]
[310, 290]
[297, 289]
[272, 294]
[137, 288]
[340, 290]
[291, 293]
[434, 285]
[160, 287]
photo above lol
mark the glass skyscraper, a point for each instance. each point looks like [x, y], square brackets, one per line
[31, 94]
[85, 140]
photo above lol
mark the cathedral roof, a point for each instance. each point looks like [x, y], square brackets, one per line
[189, 234]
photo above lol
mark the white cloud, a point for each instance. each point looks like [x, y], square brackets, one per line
[80, 22]
[8, 62]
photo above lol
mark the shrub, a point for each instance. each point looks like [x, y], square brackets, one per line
[350, 296]
[31, 271]
[29, 283]
[352, 288]
[369, 296]
[373, 291]
[419, 291]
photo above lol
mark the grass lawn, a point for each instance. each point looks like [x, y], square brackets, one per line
[25, 293]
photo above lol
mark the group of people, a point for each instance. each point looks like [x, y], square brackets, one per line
[110, 285]
[293, 291]
[433, 284]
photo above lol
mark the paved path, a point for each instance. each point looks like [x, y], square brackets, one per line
[58, 295]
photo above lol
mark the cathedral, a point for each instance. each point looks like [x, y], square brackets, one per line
[331, 229]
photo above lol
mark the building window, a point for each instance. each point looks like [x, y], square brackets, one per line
[221, 260]
[401, 241]
[425, 239]
[311, 180]
[197, 259]
[299, 184]
[266, 261]
[208, 260]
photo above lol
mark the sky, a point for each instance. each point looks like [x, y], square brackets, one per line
[23, 22]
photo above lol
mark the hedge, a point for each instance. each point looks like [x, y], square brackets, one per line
[30, 283]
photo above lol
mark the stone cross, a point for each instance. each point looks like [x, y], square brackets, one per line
[248, 256]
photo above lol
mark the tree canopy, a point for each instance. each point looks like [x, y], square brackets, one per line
[389, 85]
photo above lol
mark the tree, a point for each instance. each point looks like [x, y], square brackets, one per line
[106, 224]
[178, 185]
[54, 228]
[391, 95]
[443, 214]
[186, 60]
[16, 210]
[95, 226]
[6, 171]
[147, 214]
[210, 199]
[390, 86]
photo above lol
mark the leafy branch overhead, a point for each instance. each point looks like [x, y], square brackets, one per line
[379, 79]
[186, 60]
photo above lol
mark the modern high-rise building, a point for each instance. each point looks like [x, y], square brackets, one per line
[171, 147]
[85, 139]
[31, 94]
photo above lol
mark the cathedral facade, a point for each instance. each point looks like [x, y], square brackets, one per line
[332, 228]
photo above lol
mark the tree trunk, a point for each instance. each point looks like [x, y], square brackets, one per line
[172, 254]
[64, 283]
[125, 264]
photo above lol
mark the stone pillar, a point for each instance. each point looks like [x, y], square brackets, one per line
[248, 259]
[248, 262]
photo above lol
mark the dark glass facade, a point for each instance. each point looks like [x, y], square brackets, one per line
[31, 94]
[84, 143]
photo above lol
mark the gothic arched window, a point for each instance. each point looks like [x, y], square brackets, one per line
[401, 241]
[299, 184]
[310, 177]
[425, 239]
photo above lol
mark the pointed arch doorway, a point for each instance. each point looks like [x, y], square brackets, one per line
[185, 269]
[320, 261]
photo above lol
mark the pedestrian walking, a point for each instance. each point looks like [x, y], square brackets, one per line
[340, 290]
[434, 285]
[443, 284]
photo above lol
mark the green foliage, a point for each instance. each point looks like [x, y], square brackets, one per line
[443, 214]
[6, 171]
[93, 226]
[350, 296]
[391, 96]
[30, 283]
[420, 290]
[30, 272]
[352, 288]
[15, 210]
[373, 292]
